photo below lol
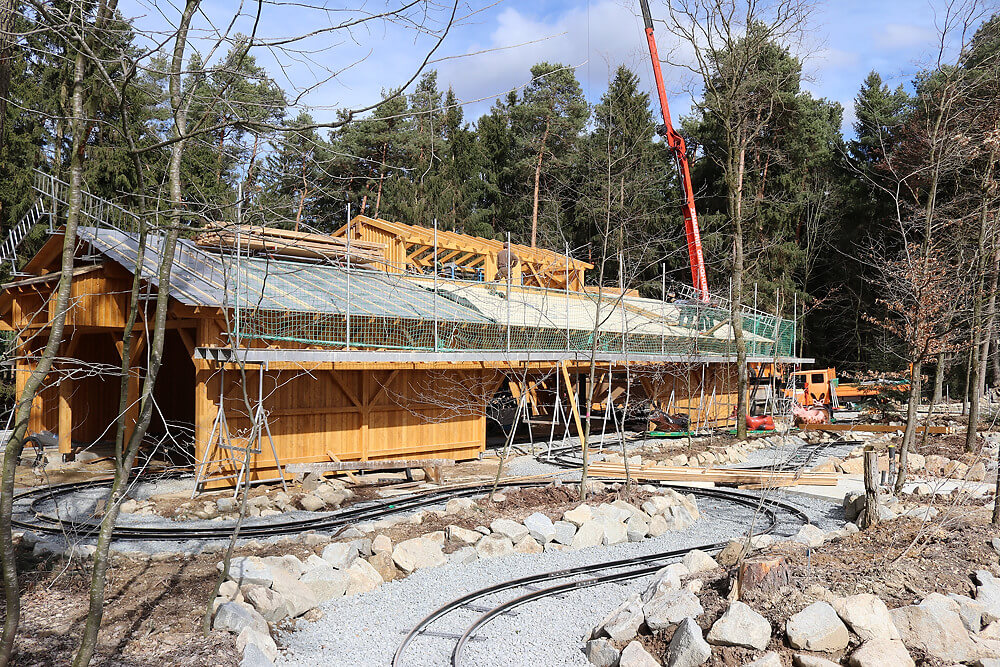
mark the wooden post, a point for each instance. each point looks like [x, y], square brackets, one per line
[870, 516]
[570, 389]
[66, 418]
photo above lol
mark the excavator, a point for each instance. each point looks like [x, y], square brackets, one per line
[677, 146]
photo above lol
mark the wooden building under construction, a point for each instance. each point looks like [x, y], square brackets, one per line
[381, 341]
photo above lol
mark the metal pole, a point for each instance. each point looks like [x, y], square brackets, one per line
[239, 219]
[755, 297]
[795, 323]
[508, 291]
[621, 304]
[567, 296]
[435, 284]
[663, 297]
[348, 337]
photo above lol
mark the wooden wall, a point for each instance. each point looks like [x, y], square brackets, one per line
[351, 414]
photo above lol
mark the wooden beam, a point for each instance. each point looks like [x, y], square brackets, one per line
[571, 391]
[381, 464]
[347, 392]
[383, 385]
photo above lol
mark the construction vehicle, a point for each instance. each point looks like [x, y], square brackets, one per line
[677, 146]
[820, 386]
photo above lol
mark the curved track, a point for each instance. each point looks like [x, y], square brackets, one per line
[52, 525]
[530, 589]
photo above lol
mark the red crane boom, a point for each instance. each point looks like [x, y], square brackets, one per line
[676, 143]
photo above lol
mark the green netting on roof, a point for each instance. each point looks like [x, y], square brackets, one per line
[331, 307]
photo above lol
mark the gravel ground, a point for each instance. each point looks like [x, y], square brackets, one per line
[547, 632]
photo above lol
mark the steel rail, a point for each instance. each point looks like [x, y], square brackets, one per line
[748, 500]
[44, 523]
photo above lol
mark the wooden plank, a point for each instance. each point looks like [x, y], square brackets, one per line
[872, 428]
[571, 392]
[381, 464]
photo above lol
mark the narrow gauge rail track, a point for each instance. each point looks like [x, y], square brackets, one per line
[802, 457]
[53, 525]
[532, 587]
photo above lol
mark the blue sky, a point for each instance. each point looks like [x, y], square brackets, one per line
[335, 70]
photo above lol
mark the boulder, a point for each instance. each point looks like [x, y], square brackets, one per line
[971, 611]
[817, 628]
[740, 625]
[540, 527]
[632, 510]
[512, 529]
[494, 546]
[383, 544]
[914, 461]
[384, 565]
[464, 535]
[687, 647]
[697, 561]
[254, 656]
[667, 579]
[881, 652]
[656, 505]
[463, 555]
[312, 503]
[935, 628]
[977, 472]
[657, 526]
[867, 616]
[234, 616]
[614, 530]
[623, 622]
[636, 529]
[589, 534]
[578, 515]
[809, 535]
[418, 553]
[634, 655]
[528, 545]
[262, 641]
[340, 554]
[770, 659]
[601, 653]
[362, 577]
[270, 604]
[457, 505]
[665, 608]
[803, 660]
[249, 570]
[563, 532]
[988, 593]
[731, 553]
[300, 596]
[326, 583]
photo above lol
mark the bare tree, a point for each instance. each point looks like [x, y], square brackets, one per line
[727, 41]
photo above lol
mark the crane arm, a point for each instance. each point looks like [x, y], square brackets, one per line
[677, 146]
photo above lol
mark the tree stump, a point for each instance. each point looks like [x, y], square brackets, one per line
[765, 573]
[869, 517]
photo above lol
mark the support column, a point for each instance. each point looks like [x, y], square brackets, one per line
[66, 418]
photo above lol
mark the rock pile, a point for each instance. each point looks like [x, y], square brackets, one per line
[858, 630]
[323, 496]
[729, 455]
[271, 589]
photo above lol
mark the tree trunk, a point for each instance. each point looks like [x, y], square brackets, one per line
[735, 312]
[538, 178]
[870, 516]
[8, 10]
[938, 378]
[125, 460]
[911, 424]
[15, 444]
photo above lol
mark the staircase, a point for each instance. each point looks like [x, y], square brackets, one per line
[53, 196]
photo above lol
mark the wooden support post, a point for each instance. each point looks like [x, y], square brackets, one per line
[66, 418]
[571, 392]
[870, 516]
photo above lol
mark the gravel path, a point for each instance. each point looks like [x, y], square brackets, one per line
[369, 627]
